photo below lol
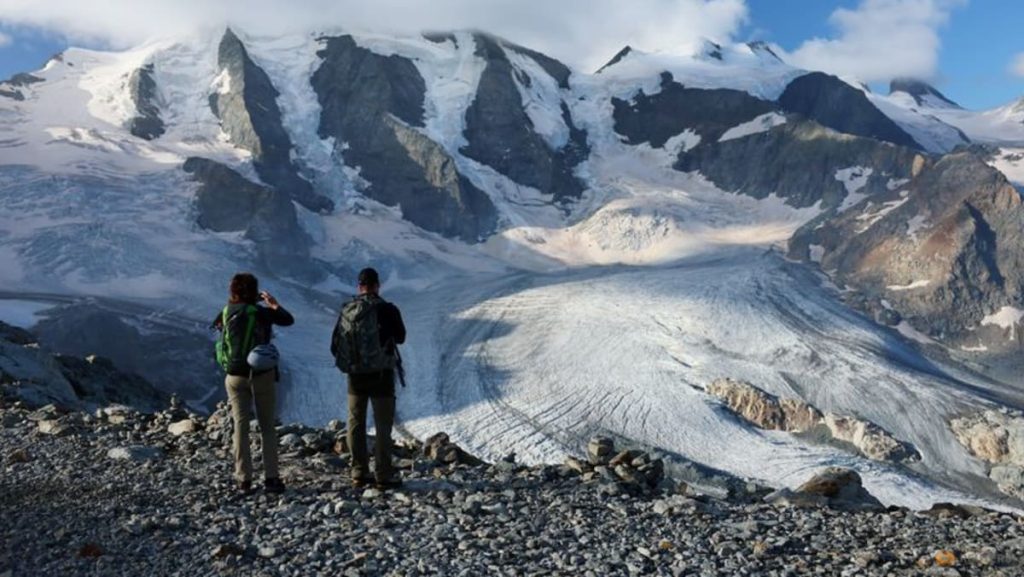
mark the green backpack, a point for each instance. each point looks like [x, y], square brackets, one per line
[356, 341]
[237, 338]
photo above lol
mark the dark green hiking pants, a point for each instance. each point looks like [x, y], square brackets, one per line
[381, 395]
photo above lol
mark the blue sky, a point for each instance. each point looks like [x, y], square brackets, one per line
[965, 46]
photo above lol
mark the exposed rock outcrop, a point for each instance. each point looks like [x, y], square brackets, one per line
[656, 118]
[226, 201]
[997, 438]
[777, 160]
[247, 108]
[501, 135]
[373, 108]
[175, 359]
[833, 103]
[793, 415]
[619, 56]
[12, 87]
[143, 91]
[764, 410]
[39, 377]
[942, 249]
[923, 93]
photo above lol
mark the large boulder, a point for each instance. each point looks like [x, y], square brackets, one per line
[372, 106]
[834, 487]
[247, 107]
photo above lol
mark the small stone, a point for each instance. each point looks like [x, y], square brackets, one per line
[986, 557]
[865, 558]
[599, 450]
[759, 548]
[945, 558]
[182, 427]
[267, 552]
[335, 425]
[135, 453]
[578, 465]
[665, 545]
[90, 551]
[52, 427]
[19, 456]
[290, 440]
[372, 493]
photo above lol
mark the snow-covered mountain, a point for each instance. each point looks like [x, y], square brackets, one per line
[574, 252]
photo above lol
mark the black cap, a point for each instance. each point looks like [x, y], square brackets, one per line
[369, 277]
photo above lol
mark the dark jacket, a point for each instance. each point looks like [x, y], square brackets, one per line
[266, 318]
[392, 333]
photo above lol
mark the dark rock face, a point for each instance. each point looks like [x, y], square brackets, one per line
[833, 103]
[142, 87]
[227, 201]
[96, 380]
[958, 225]
[780, 160]
[374, 104]
[762, 47]
[919, 90]
[37, 375]
[626, 51]
[501, 134]
[560, 72]
[9, 87]
[710, 113]
[441, 37]
[250, 115]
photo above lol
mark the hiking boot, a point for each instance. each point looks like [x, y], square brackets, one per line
[245, 487]
[392, 483]
[273, 485]
[360, 482]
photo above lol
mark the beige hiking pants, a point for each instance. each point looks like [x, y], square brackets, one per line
[243, 393]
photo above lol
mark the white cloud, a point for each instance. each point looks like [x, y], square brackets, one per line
[5, 40]
[584, 33]
[880, 40]
[1017, 65]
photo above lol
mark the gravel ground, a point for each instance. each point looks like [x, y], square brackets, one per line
[115, 493]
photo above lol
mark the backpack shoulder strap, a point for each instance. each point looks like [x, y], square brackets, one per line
[250, 327]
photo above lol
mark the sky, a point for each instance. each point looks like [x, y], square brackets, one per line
[970, 49]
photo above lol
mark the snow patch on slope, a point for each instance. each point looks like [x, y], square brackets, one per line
[854, 179]
[762, 123]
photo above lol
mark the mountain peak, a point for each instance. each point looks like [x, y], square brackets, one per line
[619, 56]
[922, 93]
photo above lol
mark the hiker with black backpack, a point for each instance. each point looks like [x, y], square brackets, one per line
[249, 361]
[365, 347]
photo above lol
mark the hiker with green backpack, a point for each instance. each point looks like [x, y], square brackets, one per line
[365, 347]
[249, 361]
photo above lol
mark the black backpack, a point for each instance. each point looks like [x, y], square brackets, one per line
[355, 343]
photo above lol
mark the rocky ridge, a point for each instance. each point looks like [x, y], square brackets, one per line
[997, 438]
[152, 493]
[766, 411]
